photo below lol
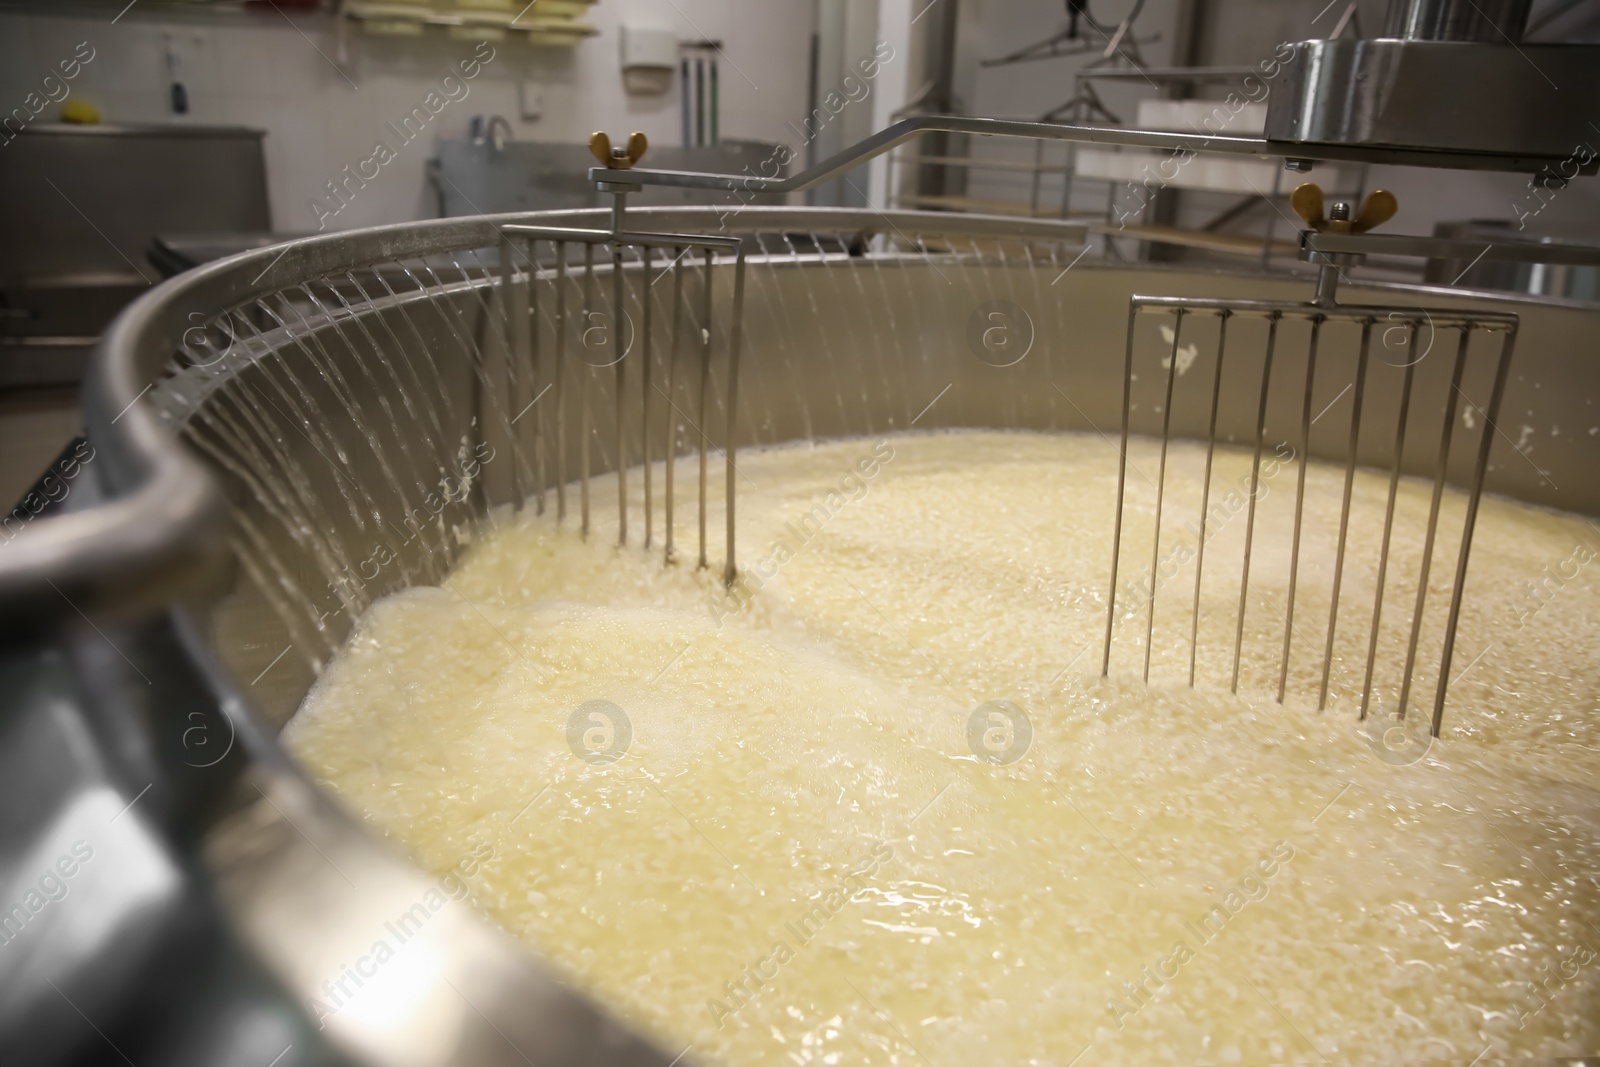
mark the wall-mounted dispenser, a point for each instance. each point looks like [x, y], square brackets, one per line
[649, 59]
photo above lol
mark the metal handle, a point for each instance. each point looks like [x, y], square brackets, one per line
[900, 132]
[1404, 244]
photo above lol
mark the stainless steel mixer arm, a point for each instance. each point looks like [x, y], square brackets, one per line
[1401, 244]
[902, 131]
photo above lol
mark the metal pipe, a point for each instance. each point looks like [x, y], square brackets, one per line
[1327, 285]
[618, 313]
[560, 380]
[1255, 492]
[1122, 486]
[1395, 471]
[1359, 386]
[1299, 506]
[1277, 309]
[705, 395]
[1161, 485]
[1479, 468]
[899, 133]
[731, 570]
[619, 209]
[1205, 492]
[583, 392]
[644, 390]
[1433, 517]
[672, 364]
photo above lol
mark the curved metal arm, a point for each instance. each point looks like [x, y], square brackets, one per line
[902, 131]
[164, 533]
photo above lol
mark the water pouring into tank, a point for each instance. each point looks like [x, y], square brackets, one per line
[854, 533]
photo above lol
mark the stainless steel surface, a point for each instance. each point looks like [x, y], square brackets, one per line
[313, 893]
[132, 940]
[1484, 21]
[1317, 314]
[48, 326]
[1499, 244]
[59, 181]
[1182, 75]
[80, 206]
[324, 429]
[1499, 255]
[1525, 106]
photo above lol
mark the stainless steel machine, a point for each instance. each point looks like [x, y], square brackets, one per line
[1446, 76]
[61, 285]
[259, 424]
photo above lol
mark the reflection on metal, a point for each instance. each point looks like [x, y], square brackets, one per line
[1519, 109]
[321, 901]
[1495, 247]
[1496, 255]
[1484, 21]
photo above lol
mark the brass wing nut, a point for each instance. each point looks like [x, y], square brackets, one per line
[1378, 208]
[618, 158]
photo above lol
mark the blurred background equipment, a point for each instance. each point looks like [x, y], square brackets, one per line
[1451, 75]
[80, 208]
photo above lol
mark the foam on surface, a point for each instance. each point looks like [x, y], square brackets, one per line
[1371, 910]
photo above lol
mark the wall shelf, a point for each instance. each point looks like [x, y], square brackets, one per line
[560, 23]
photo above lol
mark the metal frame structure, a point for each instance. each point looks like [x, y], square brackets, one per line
[525, 355]
[1317, 312]
[1227, 144]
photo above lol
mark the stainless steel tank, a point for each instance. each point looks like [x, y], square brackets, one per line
[331, 395]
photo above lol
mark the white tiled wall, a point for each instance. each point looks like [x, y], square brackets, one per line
[258, 69]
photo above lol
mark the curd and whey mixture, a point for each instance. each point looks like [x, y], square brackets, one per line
[879, 807]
